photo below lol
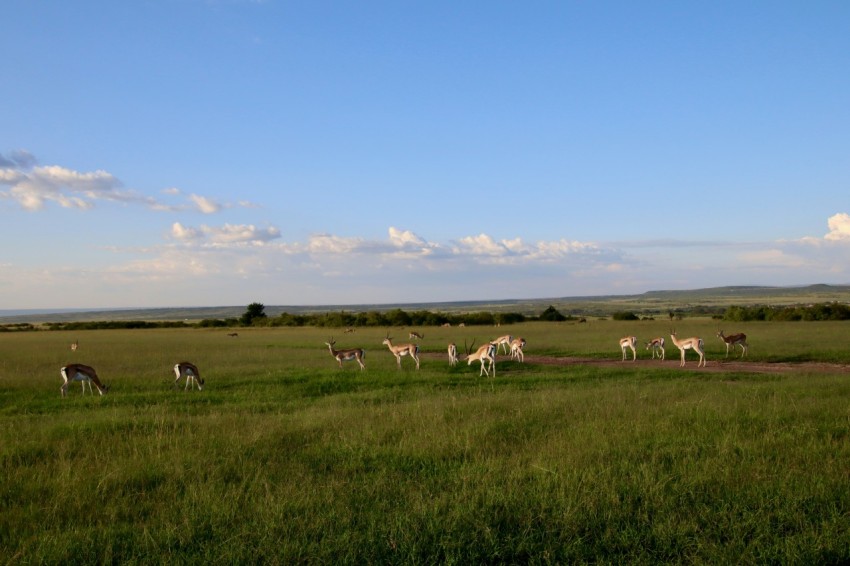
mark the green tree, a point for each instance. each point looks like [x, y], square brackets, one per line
[552, 314]
[254, 312]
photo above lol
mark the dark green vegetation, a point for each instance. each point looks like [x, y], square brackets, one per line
[285, 458]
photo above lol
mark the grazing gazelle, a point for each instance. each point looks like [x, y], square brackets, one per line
[83, 374]
[517, 344]
[356, 354]
[452, 354]
[628, 342]
[411, 350]
[656, 344]
[694, 343]
[415, 336]
[191, 373]
[735, 340]
[504, 341]
[485, 353]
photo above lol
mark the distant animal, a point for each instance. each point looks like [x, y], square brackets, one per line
[735, 340]
[694, 343]
[348, 330]
[402, 350]
[74, 345]
[656, 344]
[233, 334]
[628, 342]
[355, 354]
[452, 354]
[83, 374]
[415, 336]
[517, 345]
[191, 373]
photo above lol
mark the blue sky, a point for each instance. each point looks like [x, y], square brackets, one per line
[221, 152]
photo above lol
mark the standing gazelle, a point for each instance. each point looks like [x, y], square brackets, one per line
[452, 354]
[356, 354]
[411, 350]
[656, 344]
[694, 343]
[628, 342]
[504, 342]
[83, 374]
[191, 373]
[735, 340]
[517, 344]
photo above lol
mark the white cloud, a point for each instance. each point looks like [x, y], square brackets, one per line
[839, 227]
[204, 204]
[228, 234]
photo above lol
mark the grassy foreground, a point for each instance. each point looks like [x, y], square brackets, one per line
[286, 458]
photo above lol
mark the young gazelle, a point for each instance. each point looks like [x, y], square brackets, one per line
[735, 340]
[191, 373]
[411, 350]
[504, 342]
[452, 354]
[656, 344]
[83, 374]
[694, 343]
[517, 344]
[628, 342]
[484, 354]
[356, 354]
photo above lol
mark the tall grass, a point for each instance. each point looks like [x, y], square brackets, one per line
[286, 458]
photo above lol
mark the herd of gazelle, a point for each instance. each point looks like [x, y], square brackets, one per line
[693, 343]
[485, 355]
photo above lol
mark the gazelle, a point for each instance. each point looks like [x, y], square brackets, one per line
[628, 342]
[656, 344]
[517, 344]
[74, 345]
[415, 336]
[356, 354]
[504, 341]
[83, 374]
[735, 340]
[452, 354]
[411, 350]
[191, 373]
[485, 353]
[694, 343]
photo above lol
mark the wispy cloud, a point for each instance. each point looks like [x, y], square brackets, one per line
[33, 187]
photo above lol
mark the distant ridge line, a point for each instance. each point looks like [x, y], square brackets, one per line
[728, 295]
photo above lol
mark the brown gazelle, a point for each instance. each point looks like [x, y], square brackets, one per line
[356, 354]
[693, 342]
[656, 344]
[503, 341]
[735, 340]
[484, 354]
[517, 345]
[74, 345]
[83, 374]
[628, 342]
[191, 373]
[415, 336]
[411, 350]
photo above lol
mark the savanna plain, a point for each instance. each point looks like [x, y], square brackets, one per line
[286, 458]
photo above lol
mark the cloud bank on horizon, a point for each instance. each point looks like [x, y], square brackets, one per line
[205, 263]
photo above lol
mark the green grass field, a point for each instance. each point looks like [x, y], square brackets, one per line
[286, 458]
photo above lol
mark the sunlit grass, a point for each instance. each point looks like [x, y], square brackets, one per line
[284, 457]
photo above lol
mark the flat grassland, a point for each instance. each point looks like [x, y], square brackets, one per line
[284, 457]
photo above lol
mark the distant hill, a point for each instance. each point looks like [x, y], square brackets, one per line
[651, 302]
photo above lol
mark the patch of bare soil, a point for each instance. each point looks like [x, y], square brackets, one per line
[730, 365]
[716, 366]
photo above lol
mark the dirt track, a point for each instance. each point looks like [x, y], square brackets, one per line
[718, 366]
